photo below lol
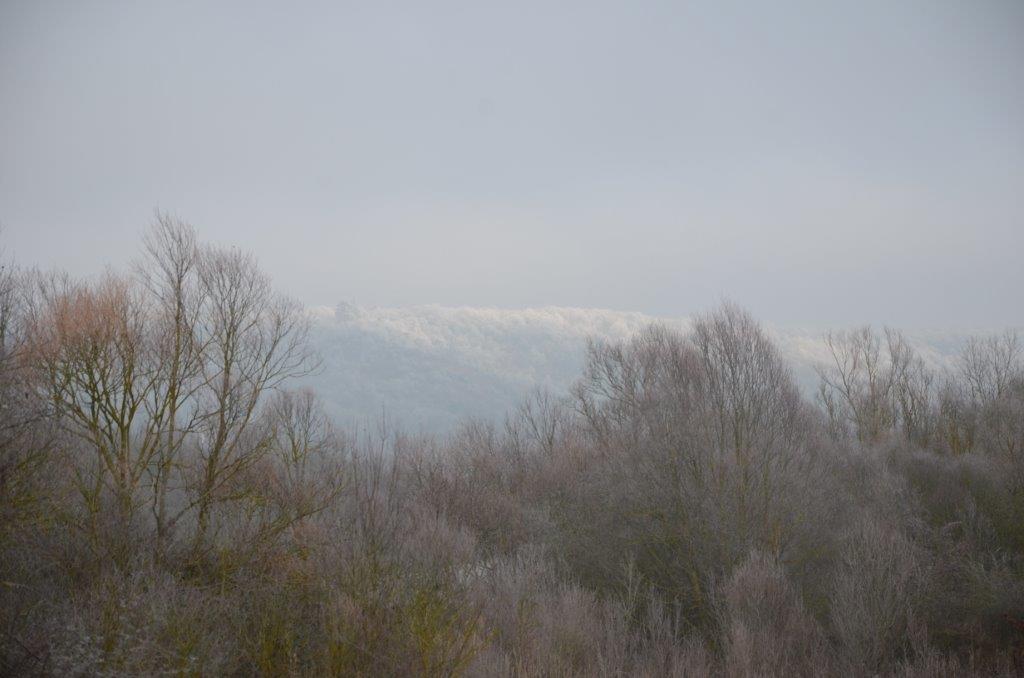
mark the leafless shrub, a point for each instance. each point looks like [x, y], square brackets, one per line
[875, 595]
[766, 631]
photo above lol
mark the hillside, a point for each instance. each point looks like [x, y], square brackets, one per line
[428, 367]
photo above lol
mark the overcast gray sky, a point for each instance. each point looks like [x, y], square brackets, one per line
[819, 162]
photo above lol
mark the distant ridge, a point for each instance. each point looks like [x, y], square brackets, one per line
[433, 366]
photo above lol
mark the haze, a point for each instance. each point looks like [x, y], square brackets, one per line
[818, 162]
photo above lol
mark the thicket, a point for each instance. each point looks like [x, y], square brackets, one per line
[168, 505]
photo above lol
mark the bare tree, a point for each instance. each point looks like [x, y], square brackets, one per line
[913, 389]
[707, 436]
[957, 421]
[307, 454]
[637, 389]
[759, 426]
[254, 341]
[989, 365]
[169, 272]
[96, 364]
[163, 375]
[748, 390]
[857, 388]
[11, 339]
[981, 405]
[545, 419]
[25, 435]
[992, 370]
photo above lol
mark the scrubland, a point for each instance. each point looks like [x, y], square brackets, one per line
[169, 504]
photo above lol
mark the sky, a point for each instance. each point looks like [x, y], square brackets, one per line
[817, 162]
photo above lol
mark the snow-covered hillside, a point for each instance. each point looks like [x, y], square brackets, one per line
[428, 367]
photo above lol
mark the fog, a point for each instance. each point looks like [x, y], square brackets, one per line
[824, 163]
